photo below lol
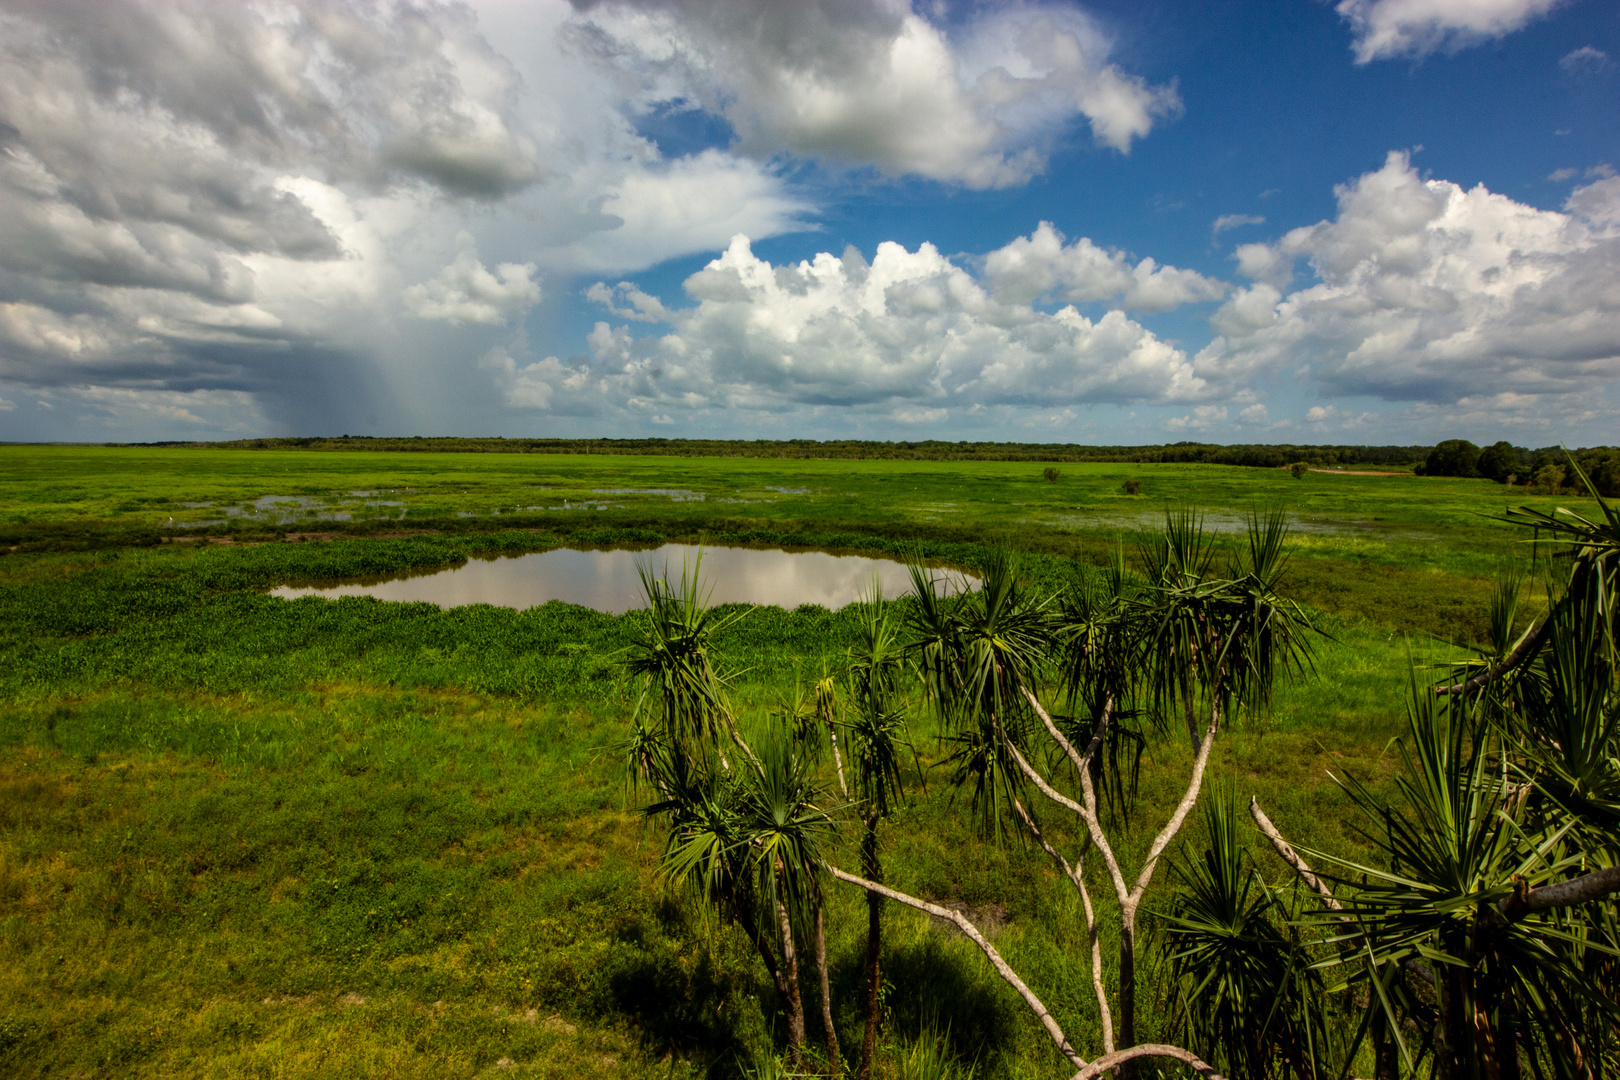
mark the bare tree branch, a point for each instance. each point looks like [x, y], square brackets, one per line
[1041, 785]
[1119, 1057]
[1173, 826]
[1088, 809]
[1291, 857]
[1520, 651]
[1076, 875]
[1078, 759]
[1010, 976]
[1040, 838]
[1103, 1012]
[1581, 890]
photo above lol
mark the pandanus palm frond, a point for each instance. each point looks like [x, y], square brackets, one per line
[784, 820]
[1454, 849]
[1098, 646]
[684, 693]
[1243, 992]
[1564, 716]
[977, 653]
[1502, 636]
[1218, 640]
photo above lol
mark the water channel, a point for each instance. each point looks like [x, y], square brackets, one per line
[607, 580]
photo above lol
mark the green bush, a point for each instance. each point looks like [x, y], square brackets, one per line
[1454, 457]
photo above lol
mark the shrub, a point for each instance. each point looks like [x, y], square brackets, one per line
[1133, 487]
[1299, 469]
[1499, 461]
[1051, 473]
[1549, 478]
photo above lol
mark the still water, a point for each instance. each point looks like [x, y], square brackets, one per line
[607, 580]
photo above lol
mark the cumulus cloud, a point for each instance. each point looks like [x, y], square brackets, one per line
[909, 333]
[1386, 29]
[1429, 292]
[228, 197]
[879, 84]
[1202, 417]
[1041, 266]
[465, 291]
[673, 208]
[642, 306]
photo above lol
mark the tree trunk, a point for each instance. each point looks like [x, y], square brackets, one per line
[1127, 987]
[1386, 1055]
[762, 945]
[874, 946]
[790, 975]
[833, 1061]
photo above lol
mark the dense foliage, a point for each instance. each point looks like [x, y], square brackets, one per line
[1549, 468]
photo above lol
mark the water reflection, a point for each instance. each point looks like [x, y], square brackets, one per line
[607, 580]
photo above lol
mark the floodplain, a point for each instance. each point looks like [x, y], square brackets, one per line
[243, 835]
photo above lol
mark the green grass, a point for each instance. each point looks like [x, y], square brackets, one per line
[246, 837]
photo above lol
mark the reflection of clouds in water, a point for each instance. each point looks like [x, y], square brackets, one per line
[607, 580]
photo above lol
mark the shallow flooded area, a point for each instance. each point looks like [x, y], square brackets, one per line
[608, 580]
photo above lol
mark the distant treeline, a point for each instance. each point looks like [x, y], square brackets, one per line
[1264, 456]
[1547, 468]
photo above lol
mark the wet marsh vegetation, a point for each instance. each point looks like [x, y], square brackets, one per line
[246, 836]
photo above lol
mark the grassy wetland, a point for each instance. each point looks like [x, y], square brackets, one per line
[243, 836]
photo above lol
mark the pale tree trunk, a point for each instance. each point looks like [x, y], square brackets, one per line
[831, 1033]
[1127, 984]
[874, 946]
[790, 975]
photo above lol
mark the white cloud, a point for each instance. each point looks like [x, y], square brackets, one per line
[909, 333]
[465, 291]
[880, 84]
[643, 307]
[240, 197]
[1385, 29]
[1235, 221]
[689, 204]
[1040, 266]
[1202, 417]
[1585, 61]
[1428, 292]
[914, 415]
[1255, 414]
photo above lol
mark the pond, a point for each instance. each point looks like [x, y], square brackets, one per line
[607, 580]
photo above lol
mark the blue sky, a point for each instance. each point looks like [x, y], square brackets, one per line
[1302, 221]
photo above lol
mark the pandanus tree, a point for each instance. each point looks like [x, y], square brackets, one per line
[747, 832]
[1243, 992]
[1481, 922]
[876, 737]
[1188, 645]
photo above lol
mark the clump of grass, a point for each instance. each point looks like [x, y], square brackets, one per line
[1051, 473]
[1132, 486]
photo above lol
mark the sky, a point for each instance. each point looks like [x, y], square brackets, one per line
[1120, 222]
